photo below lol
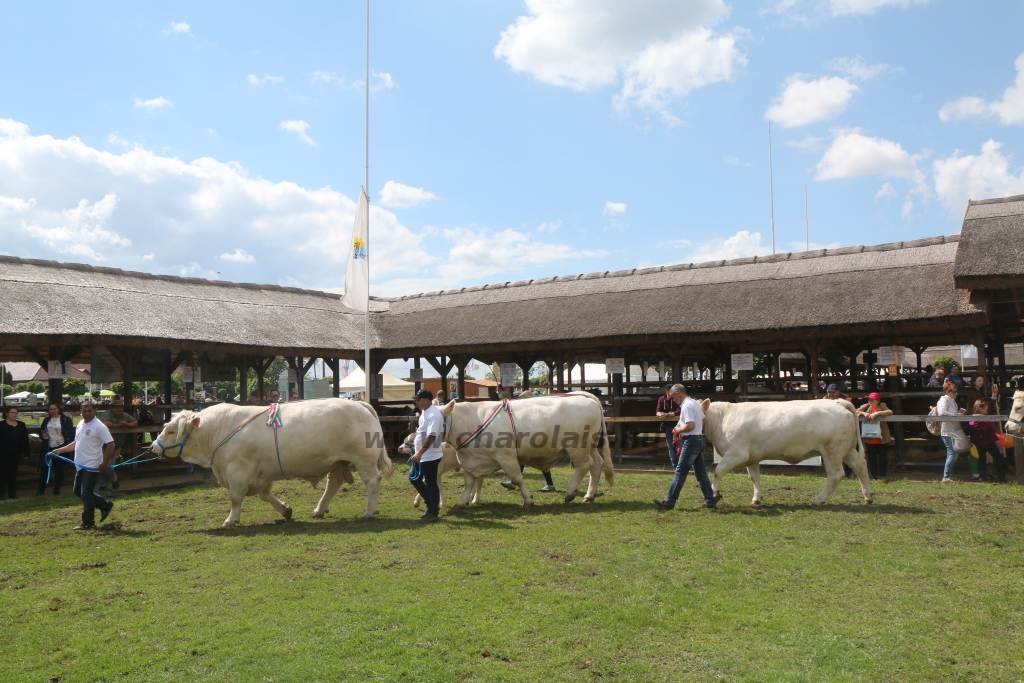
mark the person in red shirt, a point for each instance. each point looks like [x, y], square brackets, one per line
[877, 443]
[668, 408]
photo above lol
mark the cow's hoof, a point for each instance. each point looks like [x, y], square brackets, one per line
[287, 514]
[757, 502]
[588, 499]
[817, 502]
[317, 514]
[570, 497]
[718, 497]
[369, 515]
[416, 503]
[869, 501]
[228, 524]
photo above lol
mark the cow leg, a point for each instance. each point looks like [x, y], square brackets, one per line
[727, 464]
[510, 466]
[755, 478]
[469, 487]
[417, 499]
[478, 484]
[277, 504]
[371, 480]
[581, 462]
[855, 459]
[833, 475]
[338, 476]
[596, 466]
[236, 507]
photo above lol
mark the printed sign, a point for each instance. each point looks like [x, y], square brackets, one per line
[742, 361]
[509, 372]
[968, 351]
[191, 374]
[416, 374]
[885, 355]
[615, 366]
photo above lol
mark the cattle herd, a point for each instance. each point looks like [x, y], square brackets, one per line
[248, 448]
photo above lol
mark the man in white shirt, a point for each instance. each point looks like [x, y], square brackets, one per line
[427, 454]
[690, 433]
[94, 452]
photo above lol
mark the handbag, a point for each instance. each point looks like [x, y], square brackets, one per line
[934, 427]
[871, 430]
[961, 442]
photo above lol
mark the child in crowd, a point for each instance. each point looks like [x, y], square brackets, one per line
[985, 437]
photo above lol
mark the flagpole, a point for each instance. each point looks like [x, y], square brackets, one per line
[366, 189]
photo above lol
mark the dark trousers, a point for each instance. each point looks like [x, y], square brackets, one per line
[57, 478]
[427, 485]
[671, 446]
[85, 488]
[998, 460]
[691, 454]
[9, 477]
[547, 475]
[878, 459]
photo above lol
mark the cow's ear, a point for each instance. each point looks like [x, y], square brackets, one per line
[195, 422]
[705, 404]
[448, 408]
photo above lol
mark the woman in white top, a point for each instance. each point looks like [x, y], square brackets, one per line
[947, 406]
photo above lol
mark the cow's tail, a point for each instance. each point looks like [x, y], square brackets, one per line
[858, 446]
[605, 450]
[384, 463]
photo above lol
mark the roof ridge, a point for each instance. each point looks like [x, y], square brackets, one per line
[718, 263]
[996, 200]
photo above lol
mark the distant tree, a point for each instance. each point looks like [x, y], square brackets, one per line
[34, 387]
[75, 387]
[6, 379]
[944, 362]
[8, 389]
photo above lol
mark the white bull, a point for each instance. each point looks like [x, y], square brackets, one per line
[747, 433]
[449, 463]
[536, 432]
[1015, 422]
[315, 438]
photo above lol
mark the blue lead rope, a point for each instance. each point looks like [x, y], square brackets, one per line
[415, 472]
[51, 456]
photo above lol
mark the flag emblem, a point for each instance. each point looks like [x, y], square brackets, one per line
[358, 248]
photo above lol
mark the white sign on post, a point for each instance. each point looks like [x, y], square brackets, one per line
[742, 361]
[968, 351]
[885, 355]
[191, 374]
[416, 374]
[508, 374]
[615, 366]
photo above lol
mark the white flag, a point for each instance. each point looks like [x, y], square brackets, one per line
[356, 274]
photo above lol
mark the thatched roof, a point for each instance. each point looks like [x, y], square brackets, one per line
[830, 291]
[887, 290]
[62, 300]
[991, 254]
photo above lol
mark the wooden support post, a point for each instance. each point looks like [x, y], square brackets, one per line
[243, 381]
[814, 381]
[55, 390]
[461, 381]
[617, 412]
[551, 375]
[168, 369]
[1018, 460]
[261, 371]
[677, 368]
[560, 380]
[918, 351]
[335, 365]
[417, 384]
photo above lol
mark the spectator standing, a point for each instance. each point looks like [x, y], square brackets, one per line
[937, 379]
[950, 431]
[955, 377]
[876, 434]
[668, 408]
[690, 432]
[427, 453]
[835, 391]
[94, 453]
[985, 437]
[13, 447]
[56, 430]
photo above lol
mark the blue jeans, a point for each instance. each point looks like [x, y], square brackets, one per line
[427, 486]
[671, 446]
[85, 488]
[951, 456]
[691, 454]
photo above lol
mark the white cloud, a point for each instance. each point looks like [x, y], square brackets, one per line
[395, 195]
[300, 129]
[853, 7]
[137, 208]
[857, 68]
[807, 144]
[960, 177]
[488, 252]
[804, 102]
[382, 80]
[907, 207]
[237, 255]
[549, 227]
[265, 79]
[327, 78]
[739, 245]
[153, 103]
[615, 208]
[657, 51]
[886, 191]
[1009, 109]
[180, 27]
[853, 154]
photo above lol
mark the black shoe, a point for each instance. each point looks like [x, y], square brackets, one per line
[428, 517]
[104, 513]
[711, 506]
[85, 527]
[663, 505]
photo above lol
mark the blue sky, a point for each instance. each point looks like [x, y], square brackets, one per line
[509, 140]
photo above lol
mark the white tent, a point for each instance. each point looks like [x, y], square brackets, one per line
[394, 389]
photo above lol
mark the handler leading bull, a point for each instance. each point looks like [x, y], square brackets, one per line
[248, 448]
[536, 432]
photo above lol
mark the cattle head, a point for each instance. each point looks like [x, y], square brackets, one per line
[1015, 423]
[175, 434]
[407, 444]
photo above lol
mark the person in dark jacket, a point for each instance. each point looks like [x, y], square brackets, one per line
[985, 437]
[13, 447]
[55, 431]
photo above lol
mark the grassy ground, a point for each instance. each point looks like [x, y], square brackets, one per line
[924, 585]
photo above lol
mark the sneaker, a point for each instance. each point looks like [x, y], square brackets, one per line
[509, 485]
[428, 517]
[947, 480]
[104, 513]
[549, 488]
[85, 527]
[662, 505]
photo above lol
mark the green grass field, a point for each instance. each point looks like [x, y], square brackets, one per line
[924, 585]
